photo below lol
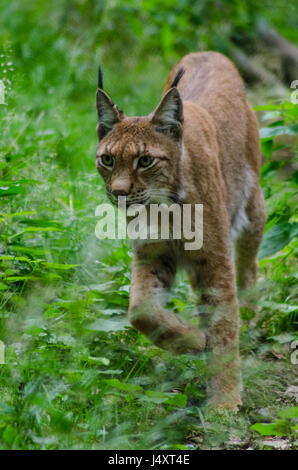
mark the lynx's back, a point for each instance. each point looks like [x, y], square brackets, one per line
[212, 82]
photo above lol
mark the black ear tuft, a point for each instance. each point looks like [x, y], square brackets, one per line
[100, 78]
[177, 78]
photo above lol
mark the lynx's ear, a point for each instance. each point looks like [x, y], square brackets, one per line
[168, 116]
[108, 113]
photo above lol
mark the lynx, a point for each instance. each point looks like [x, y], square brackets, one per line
[199, 146]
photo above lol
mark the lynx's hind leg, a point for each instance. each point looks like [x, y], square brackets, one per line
[248, 241]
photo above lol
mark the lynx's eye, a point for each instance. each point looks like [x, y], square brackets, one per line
[107, 160]
[145, 161]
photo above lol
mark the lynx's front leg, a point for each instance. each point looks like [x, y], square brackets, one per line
[215, 280]
[152, 275]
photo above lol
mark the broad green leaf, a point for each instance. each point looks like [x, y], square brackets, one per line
[277, 237]
[126, 387]
[268, 429]
[289, 412]
[284, 338]
[269, 132]
[10, 191]
[169, 398]
[100, 360]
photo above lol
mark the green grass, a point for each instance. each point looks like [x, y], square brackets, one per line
[75, 374]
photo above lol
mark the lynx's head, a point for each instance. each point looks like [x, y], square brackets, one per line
[139, 157]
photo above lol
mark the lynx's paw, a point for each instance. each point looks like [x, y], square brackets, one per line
[224, 403]
[187, 342]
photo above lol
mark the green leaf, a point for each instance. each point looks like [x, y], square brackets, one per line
[289, 412]
[126, 387]
[17, 214]
[17, 258]
[59, 265]
[268, 107]
[269, 132]
[110, 372]
[285, 308]
[36, 229]
[20, 278]
[10, 191]
[178, 399]
[169, 398]
[284, 338]
[268, 429]
[16, 182]
[10, 434]
[12, 187]
[277, 237]
[99, 360]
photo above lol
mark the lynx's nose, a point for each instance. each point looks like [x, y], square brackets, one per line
[121, 187]
[120, 192]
